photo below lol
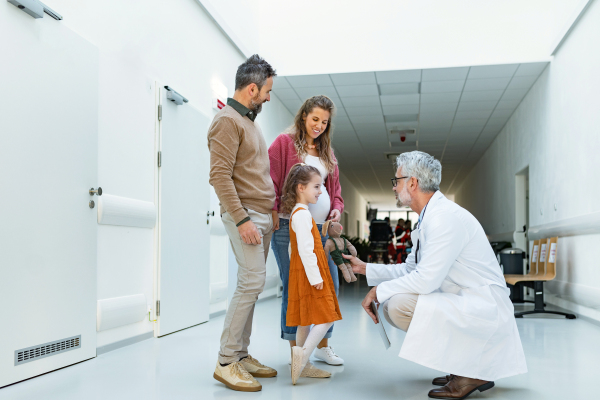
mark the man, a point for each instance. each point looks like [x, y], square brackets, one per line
[239, 172]
[449, 296]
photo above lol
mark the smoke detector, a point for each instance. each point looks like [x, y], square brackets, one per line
[400, 135]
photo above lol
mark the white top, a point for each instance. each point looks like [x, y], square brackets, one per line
[463, 297]
[302, 223]
[320, 210]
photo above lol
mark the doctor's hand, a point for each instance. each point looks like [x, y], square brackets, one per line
[366, 303]
[358, 266]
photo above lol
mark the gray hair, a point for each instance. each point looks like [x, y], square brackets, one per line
[422, 166]
[254, 70]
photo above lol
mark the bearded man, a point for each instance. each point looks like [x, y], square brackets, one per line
[450, 295]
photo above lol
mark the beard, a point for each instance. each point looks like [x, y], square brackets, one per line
[256, 104]
[403, 198]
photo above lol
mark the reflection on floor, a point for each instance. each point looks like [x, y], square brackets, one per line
[561, 355]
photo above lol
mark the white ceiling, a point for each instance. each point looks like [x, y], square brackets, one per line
[457, 113]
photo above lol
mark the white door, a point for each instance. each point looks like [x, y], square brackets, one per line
[183, 229]
[48, 163]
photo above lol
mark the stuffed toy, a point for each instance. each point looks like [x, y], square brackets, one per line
[336, 246]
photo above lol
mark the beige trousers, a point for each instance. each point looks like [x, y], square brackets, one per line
[251, 260]
[398, 310]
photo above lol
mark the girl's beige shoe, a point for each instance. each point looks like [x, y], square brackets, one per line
[235, 377]
[310, 371]
[297, 355]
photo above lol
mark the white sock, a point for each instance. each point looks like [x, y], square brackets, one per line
[310, 342]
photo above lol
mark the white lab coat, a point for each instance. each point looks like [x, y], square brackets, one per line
[464, 321]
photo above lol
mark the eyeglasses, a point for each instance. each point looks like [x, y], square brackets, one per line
[395, 180]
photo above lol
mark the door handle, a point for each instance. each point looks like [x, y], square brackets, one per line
[209, 214]
[96, 191]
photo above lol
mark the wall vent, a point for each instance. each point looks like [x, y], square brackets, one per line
[33, 353]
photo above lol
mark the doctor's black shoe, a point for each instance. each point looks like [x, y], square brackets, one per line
[442, 380]
[460, 387]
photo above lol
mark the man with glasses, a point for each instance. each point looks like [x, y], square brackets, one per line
[450, 295]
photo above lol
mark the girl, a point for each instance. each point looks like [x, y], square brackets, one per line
[308, 141]
[311, 294]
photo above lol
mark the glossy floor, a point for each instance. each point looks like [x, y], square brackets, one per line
[562, 357]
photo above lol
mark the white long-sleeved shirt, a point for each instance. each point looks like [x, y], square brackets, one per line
[302, 224]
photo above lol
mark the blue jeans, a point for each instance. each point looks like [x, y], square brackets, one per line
[279, 244]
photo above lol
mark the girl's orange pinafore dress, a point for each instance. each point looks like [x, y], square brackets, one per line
[306, 304]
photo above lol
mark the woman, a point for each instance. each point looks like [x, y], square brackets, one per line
[308, 141]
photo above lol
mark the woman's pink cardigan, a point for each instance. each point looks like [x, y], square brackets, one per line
[283, 156]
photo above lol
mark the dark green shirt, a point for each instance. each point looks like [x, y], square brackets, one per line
[243, 110]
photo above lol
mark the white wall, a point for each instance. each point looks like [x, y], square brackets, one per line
[178, 44]
[356, 206]
[332, 36]
[554, 133]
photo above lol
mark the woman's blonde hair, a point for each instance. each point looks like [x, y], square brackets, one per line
[300, 174]
[323, 142]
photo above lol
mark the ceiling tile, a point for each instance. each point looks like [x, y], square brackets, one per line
[502, 113]
[433, 132]
[398, 76]
[404, 109]
[286, 94]
[292, 105]
[435, 118]
[493, 71]
[465, 130]
[307, 92]
[368, 110]
[514, 94]
[438, 107]
[355, 78]
[357, 119]
[357, 90]
[445, 74]
[399, 88]
[368, 127]
[470, 123]
[482, 95]
[402, 125]
[531, 68]
[442, 86]
[508, 104]
[486, 84]
[360, 101]
[279, 82]
[309, 81]
[522, 82]
[477, 105]
[498, 121]
[472, 114]
[440, 97]
[389, 119]
[399, 99]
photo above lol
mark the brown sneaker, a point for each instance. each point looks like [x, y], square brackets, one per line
[256, 369]
[460, 387]
[310, 371]
[442, 380]
[235, 377]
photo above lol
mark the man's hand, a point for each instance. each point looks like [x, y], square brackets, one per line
[358, 266]
[335, 215]
[275, 220]
[318, 286]
[249, 233]
[366, 303]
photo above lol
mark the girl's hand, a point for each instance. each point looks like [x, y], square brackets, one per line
[335, 215]
[318, 286]
[275, 220]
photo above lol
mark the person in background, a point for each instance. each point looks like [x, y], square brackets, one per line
[308, 140]
[239, 172]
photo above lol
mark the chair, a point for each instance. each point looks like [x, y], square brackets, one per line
[517, 280]
[547, 258]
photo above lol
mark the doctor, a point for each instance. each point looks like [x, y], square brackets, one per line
[449, 296]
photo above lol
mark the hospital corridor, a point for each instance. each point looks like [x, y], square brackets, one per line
[230, 199]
